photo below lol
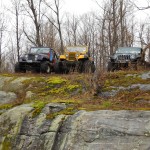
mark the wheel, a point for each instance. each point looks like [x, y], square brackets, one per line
[111, 66]
[65, 68]
[57, 67]
[45, 67]
[61, 67]
[19, 69]
[80, 66]
[88, 66]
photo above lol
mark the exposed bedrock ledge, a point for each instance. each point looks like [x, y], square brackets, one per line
[104, 129]
[97, 130]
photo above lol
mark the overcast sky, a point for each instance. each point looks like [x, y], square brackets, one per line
[80, 6]
[72, 6]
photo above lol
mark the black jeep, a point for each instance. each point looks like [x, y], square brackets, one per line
[125, 57]
[39, 59]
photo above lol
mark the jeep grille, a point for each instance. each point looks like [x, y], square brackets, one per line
[72, 56]
[124, 57]
[31, 57]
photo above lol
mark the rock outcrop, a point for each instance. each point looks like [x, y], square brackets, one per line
[84, 130]
[47, 117]
[114, 130]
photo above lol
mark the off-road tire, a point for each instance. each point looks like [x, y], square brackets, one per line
[57, 68]
[112, 67]
[88, 66]
[19, 69]
[65, 68]
[80, 66]
[45, 67]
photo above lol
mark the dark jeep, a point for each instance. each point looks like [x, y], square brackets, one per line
[39, 59]
[125, 57]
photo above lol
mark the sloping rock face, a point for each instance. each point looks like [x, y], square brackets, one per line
[10, 124]
[110, 130]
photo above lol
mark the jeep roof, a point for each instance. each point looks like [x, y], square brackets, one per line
[125, 50]
[38, 50]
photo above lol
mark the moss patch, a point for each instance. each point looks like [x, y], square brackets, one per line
[59, 86]
[6, 145]
[68, 111]
[6, 106]
[38, 106]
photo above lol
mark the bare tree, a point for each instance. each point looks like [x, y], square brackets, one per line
[34, 11]
[55, 8]
[2, 29]
[17, 8]
[140, 7]
[71, 28]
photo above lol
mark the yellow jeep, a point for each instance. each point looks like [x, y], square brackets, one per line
[75, 58]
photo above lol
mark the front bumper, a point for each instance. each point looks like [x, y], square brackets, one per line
[30, 65]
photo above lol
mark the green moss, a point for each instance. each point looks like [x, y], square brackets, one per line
[55, 81]
[81, 108]
[6, 145]
[6, 106]
[106, 104]
[59, 86]
[67, 111]
[7, 75]
[38, 106]
[72, 88]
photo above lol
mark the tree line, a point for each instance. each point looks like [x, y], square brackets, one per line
[43, 23]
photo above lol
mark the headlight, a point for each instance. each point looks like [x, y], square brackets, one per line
[66, 55]
[36, 57]
[132, 56]
[114, 57]
[77, 55]
[26, 56]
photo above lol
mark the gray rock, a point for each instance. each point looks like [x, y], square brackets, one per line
[53, 107]
[38, 133]
[7, 97]
[111, 130]
[143, 87]
[109, 94]
[29, 94]
[105, 129]
[146, 75]
[10, 124]
[15, 85]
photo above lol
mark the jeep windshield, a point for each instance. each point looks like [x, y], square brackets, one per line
[36, 50]
[76, 49]
[125, 50]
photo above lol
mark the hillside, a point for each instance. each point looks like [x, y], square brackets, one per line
[54, 111]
